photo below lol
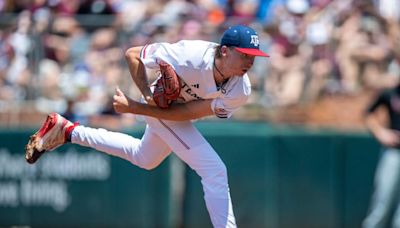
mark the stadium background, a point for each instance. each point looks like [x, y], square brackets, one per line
[301, 157]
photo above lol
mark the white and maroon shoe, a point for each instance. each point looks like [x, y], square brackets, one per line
[53, 133]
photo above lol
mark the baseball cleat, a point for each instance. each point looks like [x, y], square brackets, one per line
[52, 134]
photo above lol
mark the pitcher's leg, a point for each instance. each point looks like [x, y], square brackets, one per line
[146, 153]
[190, 146]
[214, 178]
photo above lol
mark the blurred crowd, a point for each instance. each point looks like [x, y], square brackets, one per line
[68, 55]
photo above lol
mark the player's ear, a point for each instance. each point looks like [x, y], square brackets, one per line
[223, 50]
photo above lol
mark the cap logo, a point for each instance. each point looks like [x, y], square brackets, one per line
[254, 40]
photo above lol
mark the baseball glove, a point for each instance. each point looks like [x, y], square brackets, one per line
[168, 86]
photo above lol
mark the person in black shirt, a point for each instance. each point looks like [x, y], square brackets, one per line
[385, 204]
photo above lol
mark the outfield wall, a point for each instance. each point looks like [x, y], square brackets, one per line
[279, 177]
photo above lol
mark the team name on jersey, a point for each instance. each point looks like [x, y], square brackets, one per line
[186, 88]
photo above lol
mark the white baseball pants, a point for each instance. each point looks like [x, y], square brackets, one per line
[160, 138]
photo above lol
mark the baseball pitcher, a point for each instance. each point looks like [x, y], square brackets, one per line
[197, 79]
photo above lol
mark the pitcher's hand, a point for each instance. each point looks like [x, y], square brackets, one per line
[121, 103]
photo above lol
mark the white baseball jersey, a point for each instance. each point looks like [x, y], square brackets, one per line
[193, 61]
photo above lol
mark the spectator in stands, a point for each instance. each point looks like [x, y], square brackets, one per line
[363, 52]
[286, 76]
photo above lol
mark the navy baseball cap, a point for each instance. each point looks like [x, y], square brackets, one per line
[244, 39]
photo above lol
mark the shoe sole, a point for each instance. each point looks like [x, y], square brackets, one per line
[32, 149]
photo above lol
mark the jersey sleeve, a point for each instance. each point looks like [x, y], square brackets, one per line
[152, 54]
[173, 54]
[225, 106]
